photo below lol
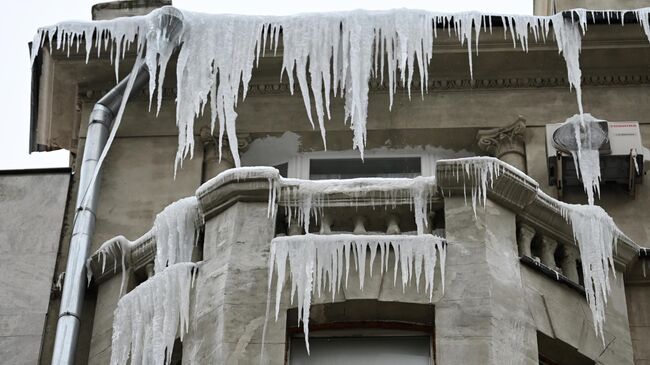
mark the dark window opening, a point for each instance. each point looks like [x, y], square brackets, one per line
[350, 168]
[283, 169]
[555, 352]
[366, 332]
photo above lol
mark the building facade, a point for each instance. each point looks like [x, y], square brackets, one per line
[513, 283]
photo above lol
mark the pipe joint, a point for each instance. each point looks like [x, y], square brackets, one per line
[101, 115]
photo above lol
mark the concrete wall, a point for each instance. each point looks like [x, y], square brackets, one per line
[32, 206]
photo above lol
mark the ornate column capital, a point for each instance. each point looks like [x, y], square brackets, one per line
[500, 141]
[212, 165]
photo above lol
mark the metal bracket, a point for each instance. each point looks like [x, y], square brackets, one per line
[558, 175]
[631, 183]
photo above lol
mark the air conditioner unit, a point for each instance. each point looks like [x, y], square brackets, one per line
[621, 153]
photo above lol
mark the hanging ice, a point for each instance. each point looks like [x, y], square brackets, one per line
[339, 51]
[587, 138]
[307, 196]
[322, 262]
[176, 230]
[596, 235]
[148, 319]
[479, 173]
[117, 246]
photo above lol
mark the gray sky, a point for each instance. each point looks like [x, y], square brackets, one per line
[20, 19]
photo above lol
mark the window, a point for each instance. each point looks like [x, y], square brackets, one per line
[365, 332]
[555, 352]
[370, 350]
[349, 168]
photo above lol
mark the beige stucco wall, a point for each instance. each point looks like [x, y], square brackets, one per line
[32, 205]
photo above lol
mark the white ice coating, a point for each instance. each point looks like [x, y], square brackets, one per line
[237, 174]
[176, 231]
[149, 318]
[322, 263]
[339, 52]
[305, 197]
[585, 158]
[596, 235]
[117, 246]
[478, 174]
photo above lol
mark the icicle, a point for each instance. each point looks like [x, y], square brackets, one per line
[643, 15]
[480, 173]
[596, 235]
[569, 43]
[315, 260]
[148, 319]
[217, 50]
[176, 230]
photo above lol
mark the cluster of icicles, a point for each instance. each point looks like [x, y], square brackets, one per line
[149, 318]
[329, 54]
[593, 229]
[322, 262]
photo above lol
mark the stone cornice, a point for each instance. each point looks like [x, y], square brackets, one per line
[92, 94]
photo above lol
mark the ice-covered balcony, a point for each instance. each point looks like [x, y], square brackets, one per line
[271, 247]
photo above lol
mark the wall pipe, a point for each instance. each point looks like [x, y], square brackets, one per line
[99, 126]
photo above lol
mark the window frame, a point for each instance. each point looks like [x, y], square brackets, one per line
[299, 165]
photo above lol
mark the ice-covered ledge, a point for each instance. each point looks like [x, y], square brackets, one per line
[249, 184]
[103, 264]
[519, 192]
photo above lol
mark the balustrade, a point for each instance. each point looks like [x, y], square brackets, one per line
[561, 258]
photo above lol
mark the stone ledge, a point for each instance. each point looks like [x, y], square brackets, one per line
[552, 274]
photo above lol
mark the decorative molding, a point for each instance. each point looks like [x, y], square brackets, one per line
[90, 94]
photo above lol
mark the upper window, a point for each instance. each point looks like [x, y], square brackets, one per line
[350, 168]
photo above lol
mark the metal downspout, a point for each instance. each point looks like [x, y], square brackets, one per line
[99, 126]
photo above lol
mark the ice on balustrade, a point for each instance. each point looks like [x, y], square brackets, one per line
[339, 51]
[318, 263]
[176, 231]
[150, 317]
[306, 197]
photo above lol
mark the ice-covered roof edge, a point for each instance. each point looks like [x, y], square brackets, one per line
[400, 64]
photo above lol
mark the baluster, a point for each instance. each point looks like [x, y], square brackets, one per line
[524, 240]
[359, 225]
[549, 245]
[570, 263]
[393, 225]
[326, 224]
